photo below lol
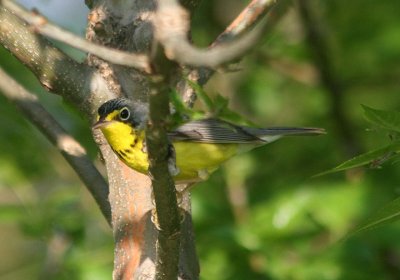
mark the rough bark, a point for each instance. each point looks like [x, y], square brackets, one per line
[126, 25]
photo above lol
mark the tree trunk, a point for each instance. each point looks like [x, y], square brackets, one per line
[126, 25]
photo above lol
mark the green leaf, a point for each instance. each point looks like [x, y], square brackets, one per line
[220, 104]
[386, 119]
[388, 214]
[222, 111]
[182, 112]
[205, 99]
[374, 158]
[177, 102]
[217, 107]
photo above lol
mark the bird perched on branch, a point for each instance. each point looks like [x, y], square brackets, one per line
[200, 146]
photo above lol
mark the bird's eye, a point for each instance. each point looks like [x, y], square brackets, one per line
[124, 114]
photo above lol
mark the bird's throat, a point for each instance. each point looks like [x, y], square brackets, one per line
[128, 144]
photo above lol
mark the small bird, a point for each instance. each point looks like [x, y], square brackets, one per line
[200, 146]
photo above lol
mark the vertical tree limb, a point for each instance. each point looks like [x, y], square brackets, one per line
[168, 221]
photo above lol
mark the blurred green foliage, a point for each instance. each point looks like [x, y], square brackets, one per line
[262, 216]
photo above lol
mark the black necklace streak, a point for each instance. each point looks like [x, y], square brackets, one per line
[118, 154]
[122, 153]
[128, 151]
[135, 141]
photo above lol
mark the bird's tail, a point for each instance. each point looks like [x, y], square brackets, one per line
[274, 133]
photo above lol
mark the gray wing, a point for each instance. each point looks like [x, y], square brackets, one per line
[213, 131]
[218, 131]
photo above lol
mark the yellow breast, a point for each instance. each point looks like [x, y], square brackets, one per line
[194, 160]
[127, 144]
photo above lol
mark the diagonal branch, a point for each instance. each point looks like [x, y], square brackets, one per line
[251, 14]
[41, 25]
[71, 150]
[171, 25]
[57, 72]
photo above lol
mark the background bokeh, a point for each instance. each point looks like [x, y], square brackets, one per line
[261, 216]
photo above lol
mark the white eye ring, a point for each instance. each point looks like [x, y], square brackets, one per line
[124, 114]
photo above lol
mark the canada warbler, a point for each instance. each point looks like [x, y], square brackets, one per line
[201, 146]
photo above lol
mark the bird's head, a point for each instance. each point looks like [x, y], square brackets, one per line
[121, 110]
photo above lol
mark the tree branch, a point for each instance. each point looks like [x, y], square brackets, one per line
[171, 25]
[41, 25]
[56, 71]
[250, 15]
[71, 150]
[168, 221]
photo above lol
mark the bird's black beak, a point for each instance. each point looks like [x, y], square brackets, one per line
[100, 123]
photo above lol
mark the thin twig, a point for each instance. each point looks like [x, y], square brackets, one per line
[41, 25]
[71, 150]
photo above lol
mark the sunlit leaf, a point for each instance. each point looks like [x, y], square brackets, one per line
[386, 119]
[374, 158]
[388, 214]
